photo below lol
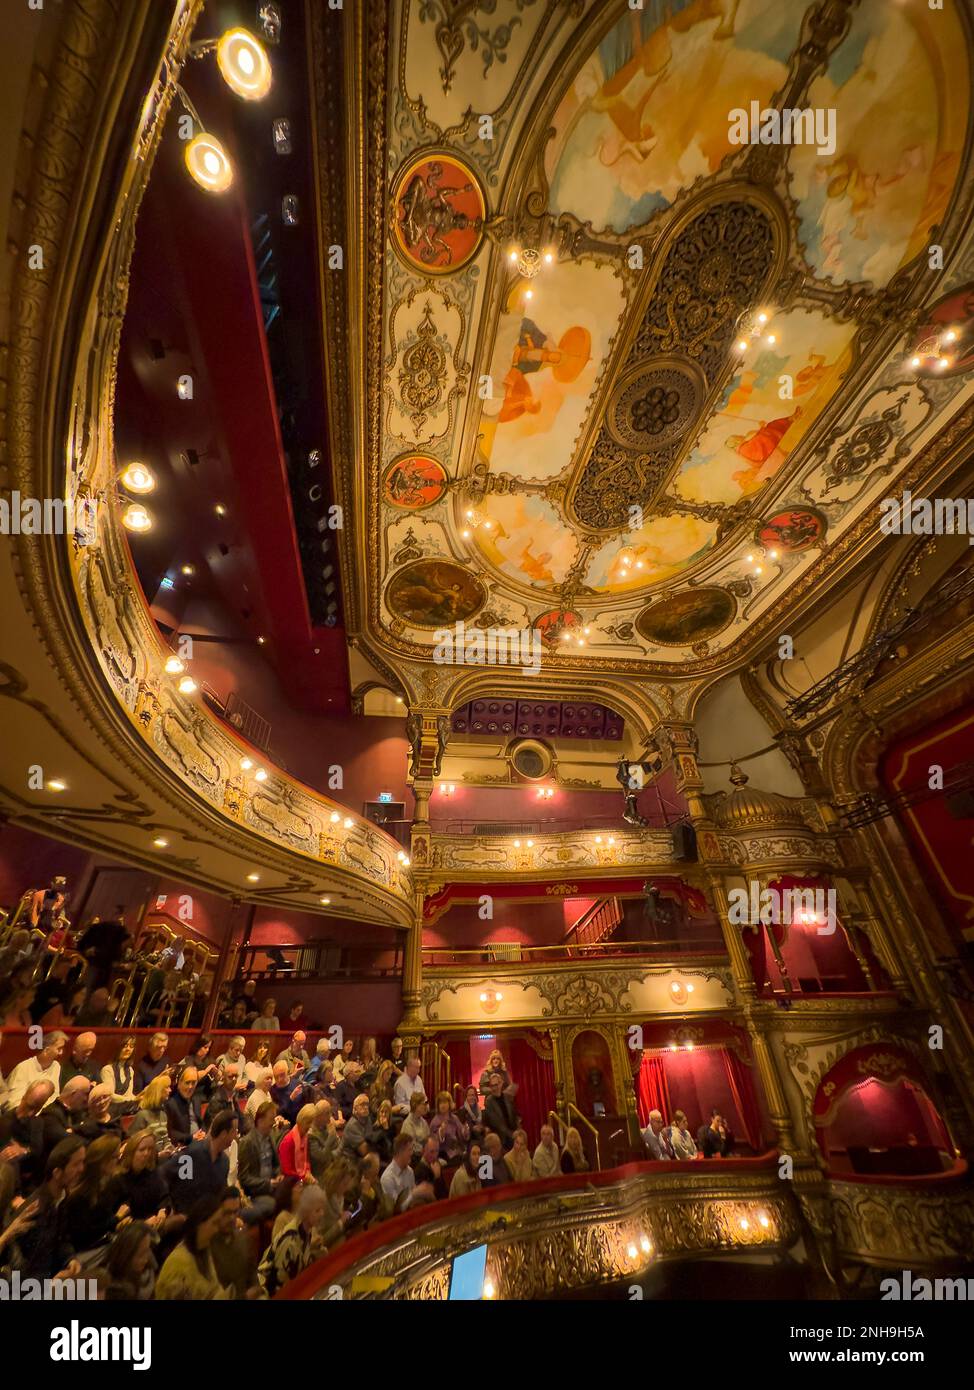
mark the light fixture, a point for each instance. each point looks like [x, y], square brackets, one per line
[632, 1252]
[244, 64]
[136, 518]
[246, 764]
[489, 1290]
[517, 844]
[335, 817]
[348, 822]
[188, 570]
[220, 509]
[56, 785]
[253, 878]
[137, 478]
[929, 352]
[174, 666]
[752, 325]
[261, 641]
[401, 857]
[186, 686]
[646, 1246]
[260, 775]
[530, 844]
[160, 842]
[281, 134]
[763, 1220]
[405, 862]
[745, 1224]
[324, 901]
[208, 163]
[269, 19]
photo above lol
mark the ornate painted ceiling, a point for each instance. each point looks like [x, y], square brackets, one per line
[574, 418]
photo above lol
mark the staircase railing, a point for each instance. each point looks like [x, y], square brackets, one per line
[594, 925]
[573, 1110]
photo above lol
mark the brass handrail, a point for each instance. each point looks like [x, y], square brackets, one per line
[715, 947]
[574, 1110]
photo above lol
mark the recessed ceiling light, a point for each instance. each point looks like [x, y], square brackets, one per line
[260, 641]
[220, 509]
[160, 843]
[56, 785]
[188, 570]
[324, 901]
[253, 878]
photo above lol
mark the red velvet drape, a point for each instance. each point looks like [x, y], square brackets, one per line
[742, 1089]
[458, 1051]
[535, 1077]
[652, 1092]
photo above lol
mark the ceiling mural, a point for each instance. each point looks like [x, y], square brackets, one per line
[639, 378]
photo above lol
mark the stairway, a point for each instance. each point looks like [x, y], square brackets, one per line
[595, 925]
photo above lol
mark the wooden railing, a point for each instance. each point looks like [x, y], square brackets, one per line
[320, 960]
[573, 1110]
[594, 925]
[441, 957]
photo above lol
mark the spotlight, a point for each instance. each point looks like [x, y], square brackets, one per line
[253, 878]
[174, 666]
[335, 817]
[136, 518]
[348, 822]
[245, 764]
[188, 570]
[260, 775]
[160, 843]
[208, 163]
[56, 785]
[137, 478]
[244, 64]
[186, 686]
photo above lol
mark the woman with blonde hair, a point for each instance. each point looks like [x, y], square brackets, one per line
[495, 1063]
[415, 1124]
[293, 1150]
[151, 1114]
[140, 1186]
[383, 1132]
[518, 1158]
[338, 1179]
[381, 1088]
[573, 1158]
[369, 1061]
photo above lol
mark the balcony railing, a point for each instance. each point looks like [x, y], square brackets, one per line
[512, 953]
[321, 960]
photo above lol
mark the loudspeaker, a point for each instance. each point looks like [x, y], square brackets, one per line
[684, 843]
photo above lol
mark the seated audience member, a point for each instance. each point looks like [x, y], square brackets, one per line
[285, 1203]
[297, 1018]
[323, 1140]
[79, 1062]
[90, 1216]
[237, 1017]
[258, 1164]
[573, 1158]
[357, 1134]
[382, 1087]
[466, 1179]
[326, 1088]
[293, 1148]
[234, 1054]
[347, 1089]
[261, 1093]
[415, 1124]
[184, 1120]
[399, 1180]
[22, 1134]
[655, 1137]
[313, 1070]
[97, 1011]
[547, 1156]
[368, 1192]
[497, 1172]
[448, 1129]
[288, 1094]
[267, 1020]
[409, 1084]
[495, 1065]
[208, 1167]
[397, 1056]
[130, 1265]
[340, 1177]
[43, 1065]
[472, 1114]
[259, 1062]
[140, 1186]
[153, 1063]
[500, 1113]
[368, 1061]
[295, 1054]
[189, 1272]
[296, 1244]
[681, 1140]
[44, 1249]
[228, 1091]
[234, 1254]
[431, 1169]
[246, 999]
[69, 1114]
[151, 1114]
[119, 1074]
[518, 1159]
[383, 1133]
[346, 1055]
[714, 1139]
[100, 1117]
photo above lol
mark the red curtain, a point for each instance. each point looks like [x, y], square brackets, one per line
[458, 1051]
[535, 1078]
[742, 1089]
[652, 1092]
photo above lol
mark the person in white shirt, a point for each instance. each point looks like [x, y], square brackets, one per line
[267, 1020]
[45, 1065]
[547, 1159]
[398, 1182]
[407, 1086]
[261, 1091]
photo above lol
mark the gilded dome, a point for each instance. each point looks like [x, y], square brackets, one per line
[747, 808]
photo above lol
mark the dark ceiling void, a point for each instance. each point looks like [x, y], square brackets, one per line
[223, 293]
[538, 718]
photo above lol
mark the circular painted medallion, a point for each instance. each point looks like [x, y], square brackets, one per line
[655, 404]
[693, 615]
[414, 481]
[434, 593]
[438, 212]
[791, 530]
